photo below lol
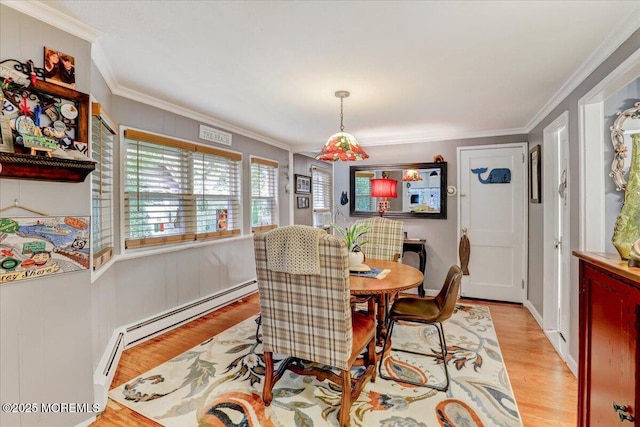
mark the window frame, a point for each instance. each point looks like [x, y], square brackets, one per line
[106, 253]
[315, 183]
[275, 211]
[190, 148]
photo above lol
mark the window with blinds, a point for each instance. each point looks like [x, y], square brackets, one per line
[178, 191]
[102, 132]
[322, 196]
[363, 199]
[264, 194]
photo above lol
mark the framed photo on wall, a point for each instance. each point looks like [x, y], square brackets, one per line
[535, 163]
[303, 184]
[59, 68]
[302, 202]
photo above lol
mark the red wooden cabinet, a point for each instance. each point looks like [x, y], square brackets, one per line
[609, 314]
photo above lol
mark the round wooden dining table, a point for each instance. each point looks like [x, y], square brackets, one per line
[400, 278]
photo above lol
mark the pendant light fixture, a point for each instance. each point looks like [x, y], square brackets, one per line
[342, 145]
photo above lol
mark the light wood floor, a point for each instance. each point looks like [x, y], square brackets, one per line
[545, 389]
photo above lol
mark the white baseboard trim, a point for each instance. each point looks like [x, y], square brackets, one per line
[138, 332]
[106, 370]
[165, 321]
[572, 364]
[534, 313]
[554, 338]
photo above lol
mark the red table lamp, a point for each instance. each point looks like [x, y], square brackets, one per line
[384, 188]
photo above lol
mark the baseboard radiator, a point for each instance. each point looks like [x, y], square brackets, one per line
[136, 333]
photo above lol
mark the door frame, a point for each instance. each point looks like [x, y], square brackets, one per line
[553, 285]
[592, 140]
[524, 146]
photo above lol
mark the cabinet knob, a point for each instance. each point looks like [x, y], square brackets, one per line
[623, 412]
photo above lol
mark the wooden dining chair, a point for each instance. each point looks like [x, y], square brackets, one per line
[308, 317]
[428, 311]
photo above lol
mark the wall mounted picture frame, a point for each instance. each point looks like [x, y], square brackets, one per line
[59, 68]
[302, 202]
[6, 135]
[303, 184]
[535, 168]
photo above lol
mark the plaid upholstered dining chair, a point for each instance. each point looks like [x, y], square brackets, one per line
[384, 238]
[303, 282]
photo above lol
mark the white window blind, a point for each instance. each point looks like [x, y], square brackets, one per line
[264, 194]
[102, 132]
[178, 191]
[363, 200]
[322, 196]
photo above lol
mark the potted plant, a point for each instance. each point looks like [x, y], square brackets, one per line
[354, 236]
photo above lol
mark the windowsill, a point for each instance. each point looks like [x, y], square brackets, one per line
[145, 252]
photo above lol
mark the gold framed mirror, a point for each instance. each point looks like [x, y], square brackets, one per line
[620, 146]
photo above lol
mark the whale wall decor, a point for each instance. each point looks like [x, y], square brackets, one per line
[496, 176]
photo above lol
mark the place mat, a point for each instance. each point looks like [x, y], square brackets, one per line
[378, 273]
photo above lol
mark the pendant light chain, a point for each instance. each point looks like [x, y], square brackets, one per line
[341, 115]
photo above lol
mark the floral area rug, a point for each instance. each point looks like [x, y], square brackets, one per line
[219, 383]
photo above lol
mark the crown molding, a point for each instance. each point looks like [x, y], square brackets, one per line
[51, 16]
[168, 106]
[54, 17]
[415, 139]
[613, 41]
[102, 63]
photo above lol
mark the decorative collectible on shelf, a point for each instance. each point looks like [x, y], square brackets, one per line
[36, 119]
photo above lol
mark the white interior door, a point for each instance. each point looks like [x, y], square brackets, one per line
[557, 256]
[494, 216]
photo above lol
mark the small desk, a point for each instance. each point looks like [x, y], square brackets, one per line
[418, 246]
[400, 278]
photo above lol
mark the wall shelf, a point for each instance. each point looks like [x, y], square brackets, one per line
[17, 164]
[26, 166]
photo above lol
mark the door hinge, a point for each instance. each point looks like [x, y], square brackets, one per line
[522, 157]
[522, 283]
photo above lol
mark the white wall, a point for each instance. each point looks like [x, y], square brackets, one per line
[53, 331]
[570, 103]
[441, 234]
[45, 324]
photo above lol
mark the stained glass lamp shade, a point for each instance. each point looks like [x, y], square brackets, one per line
[411, 175]
[342, 146]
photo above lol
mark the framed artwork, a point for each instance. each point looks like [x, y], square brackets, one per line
[34, 247]
[302, 202]
[6, 135]
[535, 163]
[59, 68]
[303, 184]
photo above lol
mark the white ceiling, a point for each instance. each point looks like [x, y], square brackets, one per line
[417, 71]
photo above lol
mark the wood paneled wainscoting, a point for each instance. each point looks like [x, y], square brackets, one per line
[544, 387]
